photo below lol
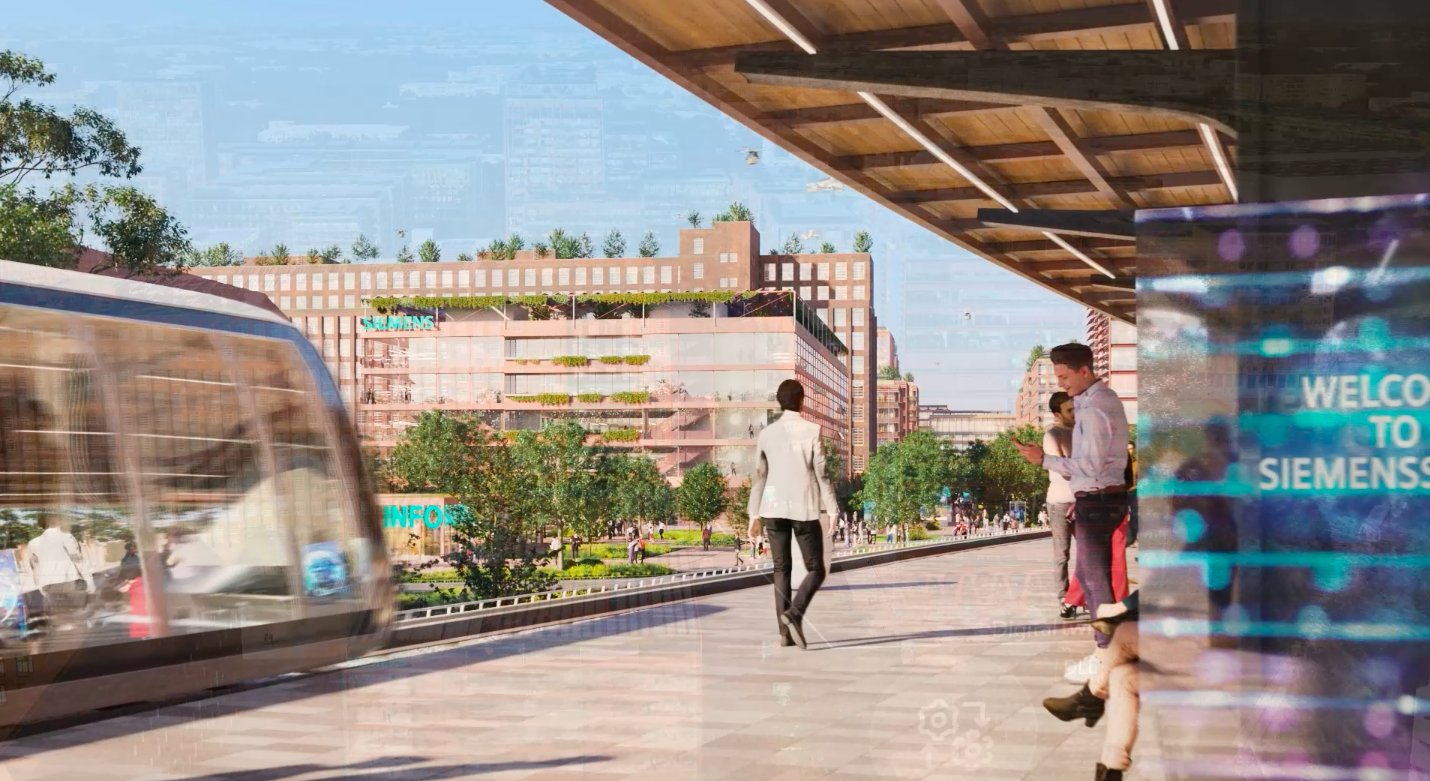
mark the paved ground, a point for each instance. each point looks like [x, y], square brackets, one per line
[915, 674]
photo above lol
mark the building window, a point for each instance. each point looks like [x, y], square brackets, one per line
[859, 269]
[332, 302]
[598, 276]
[858, 317]
[631, 275]
[858, 364]
[513, 277]
[349, 302]
[841, 271]
[333, 281]
[770, 274]
[479, 277]
[345, 348]
[268, 282]
[823, 316]
[285, 282]
[350, 281]
[581, 275]
[858, 340]
[396, 280]
[858, 386]
[859, 413]
[414, 279]
[284, 302]
[787, 271]
[839, 317]
[823, 272]
[858, 437]
[223, 280]
[431, 279]
[699, 248]
[823, 292]
[365, 280]
[806, 272]
[698, 271]
[840, 293]
[648, 275]
[446, 279]
[547, 277]
[665, 276]
[301, 302]
[804, 292]
[317, 281]
[381, 280]
[531, 277]
[563, 276]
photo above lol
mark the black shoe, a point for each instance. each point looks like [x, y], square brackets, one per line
[796, 632]
[1104, 773]
[1082, 705]
[1068, 613]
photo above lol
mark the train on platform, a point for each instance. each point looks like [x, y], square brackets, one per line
[183, 503]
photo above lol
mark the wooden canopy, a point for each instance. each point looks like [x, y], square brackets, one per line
[844, 85]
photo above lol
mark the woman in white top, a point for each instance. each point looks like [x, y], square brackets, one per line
[789, 490]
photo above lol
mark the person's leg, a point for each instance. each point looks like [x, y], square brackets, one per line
[1122, 707]
[1094, 523]
[1121, 651]
[777, 531]
[811, 546]
[1062, 544]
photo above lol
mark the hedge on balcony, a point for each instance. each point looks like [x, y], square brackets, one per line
[631, 397]
[545, 399]
[621, 435]
[525, 361]
[590, 398]
[611, 360]
[637, 360]
[386, 304]
[570, 360]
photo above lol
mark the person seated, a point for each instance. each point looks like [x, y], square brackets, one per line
[1113, 690]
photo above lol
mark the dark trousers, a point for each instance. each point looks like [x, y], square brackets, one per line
[811, 546]
[1095, 518]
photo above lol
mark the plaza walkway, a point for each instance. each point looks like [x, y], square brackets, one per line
[929, 669]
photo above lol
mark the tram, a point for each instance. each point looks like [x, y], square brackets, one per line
[183, 504]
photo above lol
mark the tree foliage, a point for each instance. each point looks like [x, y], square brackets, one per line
[1034, 355]
[995, 472]
[863, 242]
[614, 246]
[702, 494]
[278, 256]
[649, 246]
[793, 245]
[404, 255]
[363, 250]
[737, 212]
[584, 247]
[37, 139]
[561, 471]
[827, 248]
[220, 254]
[693, 219]
[888, 372]
[429, 252]
[643, 494]
[564, 245]
[903, 478]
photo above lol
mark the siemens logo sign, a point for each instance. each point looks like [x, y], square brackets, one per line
[433, 516]
[398, 323]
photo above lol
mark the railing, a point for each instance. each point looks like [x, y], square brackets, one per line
[459, 608]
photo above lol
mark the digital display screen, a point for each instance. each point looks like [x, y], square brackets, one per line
[1284, 400]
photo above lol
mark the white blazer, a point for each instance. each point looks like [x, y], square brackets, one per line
[789, 472]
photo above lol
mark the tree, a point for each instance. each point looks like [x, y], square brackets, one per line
[909, 377]
[826, 248]
[614, 246]
[792, 246]
[644, 496]
[1007, 476]
[363, 250]
[220, 254]
[701, 496]
[694, 219]
[435, 454]
[737, 212]
[584, 247]
[1034, 355]
[540, 249]
[49, 228]
[331, 255]
[863, 242]
[561, 471]
[404, 255]
[888, 372]
[496, 527]
[15, 532]
[904, 478]
[278, 256]
[463, 257]
[315, 256]
[649, 246]
[739, 511]
[563, 245]
[429, 252]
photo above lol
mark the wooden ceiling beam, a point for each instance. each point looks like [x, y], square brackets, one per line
[968, 16]
[1119, 265]
[1043, 245]
[1066, 187]
[1065, 222]
[1029, 150]
[1056, 126]
[861, 111]
[1179, 31]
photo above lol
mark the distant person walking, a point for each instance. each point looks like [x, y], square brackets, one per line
[705, 538]
[1096, 473]
[789, 489]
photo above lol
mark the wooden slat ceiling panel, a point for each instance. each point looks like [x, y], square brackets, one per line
[1062, 159]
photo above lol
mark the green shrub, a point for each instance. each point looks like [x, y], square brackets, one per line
[621, 435]
[617, 550]
[441, 596]
[631, 397]
[590, 398]
[918, 533]
[637, 360]
[932, 525]
[584, 561]
[522, 399]
[570, 360]
[692, 537]
[591, 571]
[431, 576]
[553, 399]
[611, 360]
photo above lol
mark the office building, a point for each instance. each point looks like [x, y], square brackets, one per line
[962, 428]
[1114, 357]
[1038, 386]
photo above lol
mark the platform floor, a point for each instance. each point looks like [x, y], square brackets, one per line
[929, 669]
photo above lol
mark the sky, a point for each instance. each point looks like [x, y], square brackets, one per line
[309, 122]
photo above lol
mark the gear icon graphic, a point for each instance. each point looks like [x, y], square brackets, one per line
[938, 721]
[973, 750]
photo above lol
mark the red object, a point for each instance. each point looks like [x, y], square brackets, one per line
[1119, 571]
[139, 609]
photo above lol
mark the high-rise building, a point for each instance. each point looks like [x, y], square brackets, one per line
[708, 373]
[888, 351]
[1036, 390]
[1114, 357]
[898, 410]
[962, 428]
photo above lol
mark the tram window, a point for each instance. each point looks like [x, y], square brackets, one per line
[314, 506]
[67, 524]
[209, 492]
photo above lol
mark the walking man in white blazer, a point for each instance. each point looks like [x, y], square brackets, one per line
[789, 490]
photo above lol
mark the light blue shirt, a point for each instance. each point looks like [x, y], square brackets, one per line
[1099, 446]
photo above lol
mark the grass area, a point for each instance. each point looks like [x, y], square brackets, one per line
[617, 550]
[596, 571]
[692, 537]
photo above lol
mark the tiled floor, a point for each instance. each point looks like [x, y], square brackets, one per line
[930, 669]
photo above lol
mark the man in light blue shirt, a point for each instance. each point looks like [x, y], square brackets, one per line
[1096, 471]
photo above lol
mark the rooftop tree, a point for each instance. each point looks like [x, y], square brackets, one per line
[429, 252]
[363, 250]
[863, 242]
[614, 246]
[650, 246]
